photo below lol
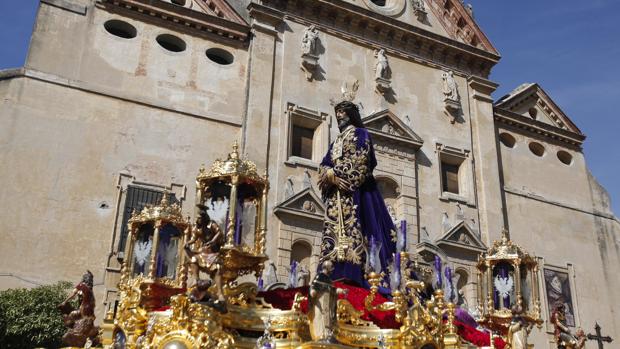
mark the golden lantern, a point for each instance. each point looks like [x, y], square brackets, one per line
[508, 284]
[235, 197]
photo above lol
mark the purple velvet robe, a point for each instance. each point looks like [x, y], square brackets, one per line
[370, 211]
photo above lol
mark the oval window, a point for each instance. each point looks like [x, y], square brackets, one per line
[537, 149]
[220, 56]
[179, 2]
[565, 157]
[378, 2]
[121, 29]
[171, 43]
[507, 139]
[533, 113]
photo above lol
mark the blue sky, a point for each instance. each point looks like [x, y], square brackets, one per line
[571, 48]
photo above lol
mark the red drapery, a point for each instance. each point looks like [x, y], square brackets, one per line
[283, 299]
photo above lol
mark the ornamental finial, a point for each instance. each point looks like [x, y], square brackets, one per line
[164, 199]
[505, 235]
[235, 152]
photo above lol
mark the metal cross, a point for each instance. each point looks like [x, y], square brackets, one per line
[598, 337]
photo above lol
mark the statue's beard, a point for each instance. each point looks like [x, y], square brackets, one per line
[344, 122]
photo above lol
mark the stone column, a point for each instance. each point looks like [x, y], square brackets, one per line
[486, 160]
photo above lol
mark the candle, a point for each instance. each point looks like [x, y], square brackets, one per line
[371, 257]
[450, 293]
[397, 268]
[438, 271]
[395, 275]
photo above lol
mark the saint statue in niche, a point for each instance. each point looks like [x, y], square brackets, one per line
[308, 41]
[356, 212]
[450, 89]
[382, 67]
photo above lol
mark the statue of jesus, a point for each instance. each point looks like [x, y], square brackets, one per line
[356, 212]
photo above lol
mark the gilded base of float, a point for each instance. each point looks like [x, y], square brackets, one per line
[322, 345]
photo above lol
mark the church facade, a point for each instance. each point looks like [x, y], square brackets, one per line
[121, 101]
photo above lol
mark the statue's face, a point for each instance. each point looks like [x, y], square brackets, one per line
[342, 118]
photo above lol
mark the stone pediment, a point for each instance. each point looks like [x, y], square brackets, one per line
[463, 237]
[535, 106]
[386, 126]
[218, 8]
[306, 203]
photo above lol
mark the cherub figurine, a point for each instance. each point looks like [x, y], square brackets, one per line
[203, 250]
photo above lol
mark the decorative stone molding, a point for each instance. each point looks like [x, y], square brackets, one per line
[554, 134]
[306, 204]
[391, 135]
[230, 27]
[560, 126]
[320, 122]
[460, 157]
[463, 237]
[356, 24]
[391, 8]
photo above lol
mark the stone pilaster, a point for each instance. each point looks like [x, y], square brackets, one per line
[487, 172]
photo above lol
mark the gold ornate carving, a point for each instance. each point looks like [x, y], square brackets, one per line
[232, 166]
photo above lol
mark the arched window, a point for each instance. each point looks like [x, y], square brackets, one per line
[461, 283]
[389, 190]
[301, 252]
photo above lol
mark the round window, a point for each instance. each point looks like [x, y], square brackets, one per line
[565, 157]
[507, 139]
[537, 149]
[386, 7]
[171, 43]
[220, 56]
[121, 29]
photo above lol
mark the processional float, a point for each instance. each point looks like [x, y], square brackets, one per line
[157, 309]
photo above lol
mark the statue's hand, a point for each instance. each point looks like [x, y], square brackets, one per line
[343, 184]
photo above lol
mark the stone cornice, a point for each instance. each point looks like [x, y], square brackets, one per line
[183, 18]
[555, 133]
[357, 24]
[482, 88]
